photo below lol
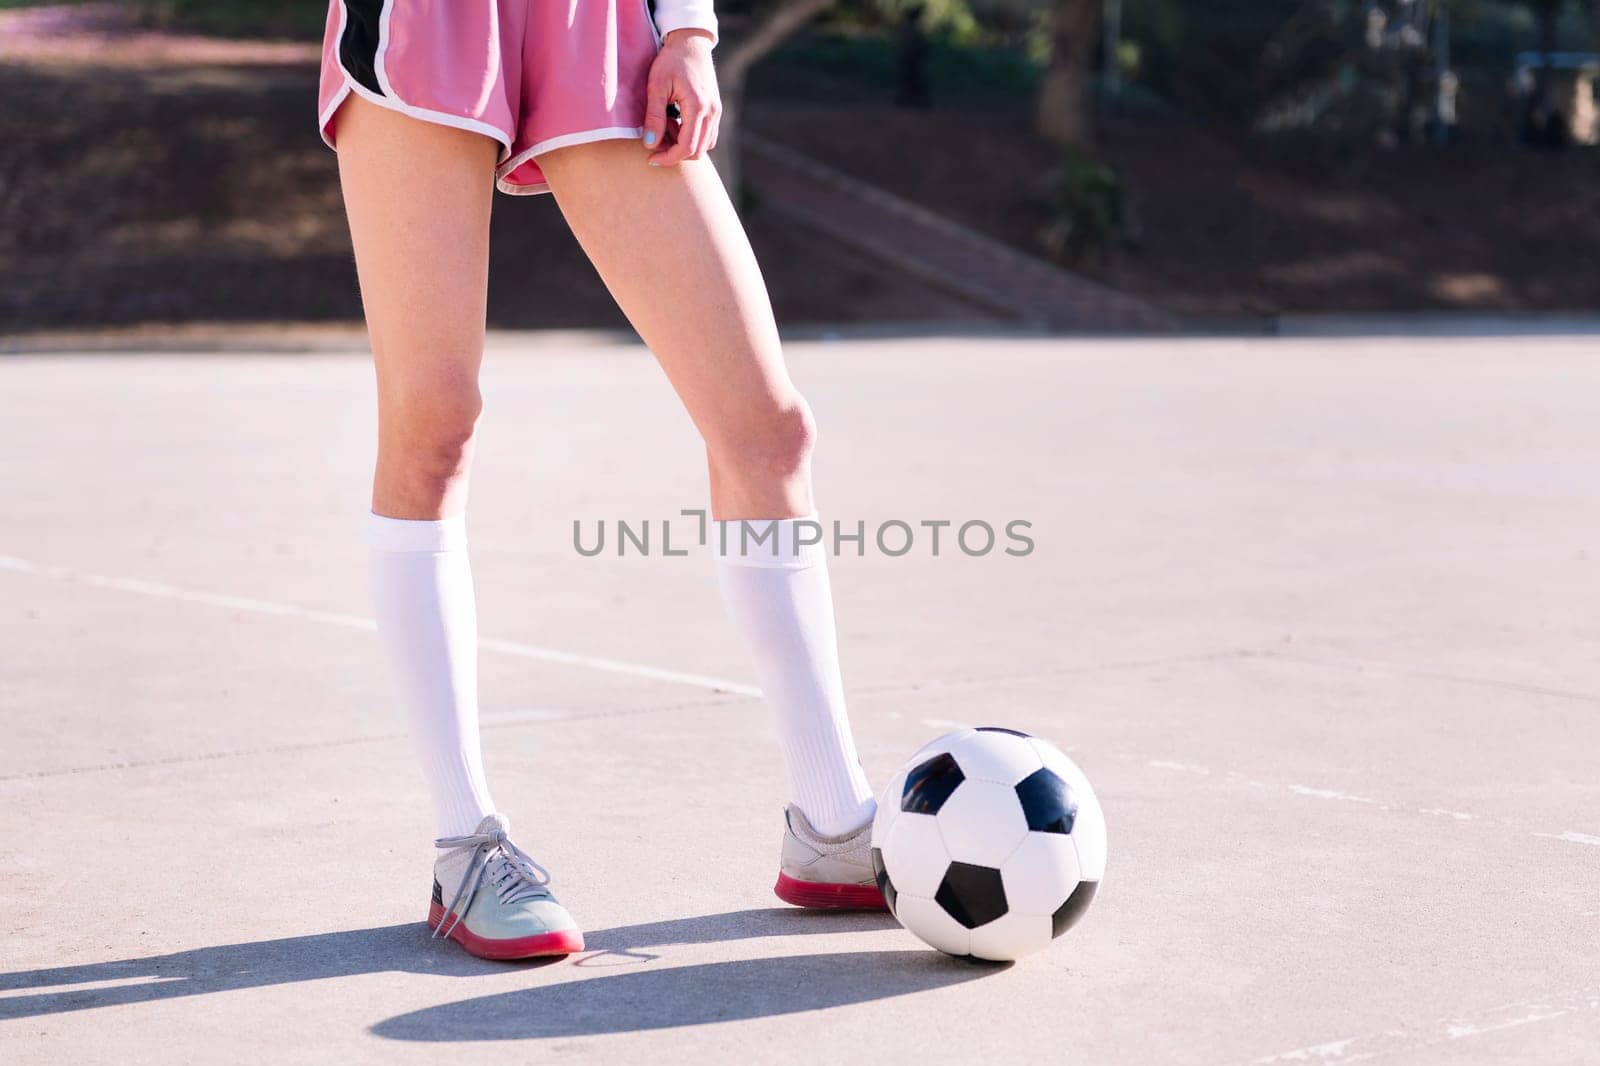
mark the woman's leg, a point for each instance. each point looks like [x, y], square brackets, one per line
[418, 199]
[673, 252]
[671, 249]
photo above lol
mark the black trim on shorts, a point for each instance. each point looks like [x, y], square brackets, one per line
[358, 45]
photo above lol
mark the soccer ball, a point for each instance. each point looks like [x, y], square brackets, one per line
[989, 843]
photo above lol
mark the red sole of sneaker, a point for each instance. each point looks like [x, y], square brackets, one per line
[818, 896]
[566, 942]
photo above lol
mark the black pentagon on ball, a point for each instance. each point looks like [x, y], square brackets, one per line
[972, 895]
[881, 874]
[930, 784]
[1067, 915]
[1003, 729]
[1047, 802]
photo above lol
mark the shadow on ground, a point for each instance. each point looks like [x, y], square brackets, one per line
[685, 995]
[647, 999]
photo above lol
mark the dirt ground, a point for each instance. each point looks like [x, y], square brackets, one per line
[203, 192]
[187, 183]
[1222, 228]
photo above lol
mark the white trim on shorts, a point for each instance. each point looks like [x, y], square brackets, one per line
[550, 144]
[566, 140]
[333, 108]
[392, 101]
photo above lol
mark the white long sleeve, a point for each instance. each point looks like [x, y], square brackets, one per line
[684, 15]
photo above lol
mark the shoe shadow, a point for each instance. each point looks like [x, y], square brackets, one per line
[676, 996]
[403, 948]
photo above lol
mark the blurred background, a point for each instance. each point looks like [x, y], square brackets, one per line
[1093, 164]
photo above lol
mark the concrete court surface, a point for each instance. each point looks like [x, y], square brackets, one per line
[1320, 617]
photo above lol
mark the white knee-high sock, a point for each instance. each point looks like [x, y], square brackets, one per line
[427, 619]
[783, 606]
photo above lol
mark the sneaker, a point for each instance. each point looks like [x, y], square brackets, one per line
[833, 873]
[500, 902]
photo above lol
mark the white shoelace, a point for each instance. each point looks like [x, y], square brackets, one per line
[510, 870]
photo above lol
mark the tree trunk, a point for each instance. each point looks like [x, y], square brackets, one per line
[1065, 112]
[778, 25]
[1549, 12]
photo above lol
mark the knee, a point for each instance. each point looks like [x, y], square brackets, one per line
[772, 442]
[430, 430]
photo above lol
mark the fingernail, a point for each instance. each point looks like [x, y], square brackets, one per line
[649, 138]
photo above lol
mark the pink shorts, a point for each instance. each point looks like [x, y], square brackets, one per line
[535, 75]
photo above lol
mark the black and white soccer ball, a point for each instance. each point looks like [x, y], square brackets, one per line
[989, 843]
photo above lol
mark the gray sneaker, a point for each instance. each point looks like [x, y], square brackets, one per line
[830, 873]
[500, 905]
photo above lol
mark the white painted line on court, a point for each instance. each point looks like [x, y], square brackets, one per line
[162, 590]
[616, 666]
[1315, 1053]
[1181, 767]
[1441, 1031]
[1572, 838]
[1339, 796]
[1457, 1032]
[1333, 794]
[1178, 767]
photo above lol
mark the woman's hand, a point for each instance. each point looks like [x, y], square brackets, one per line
[682, 74]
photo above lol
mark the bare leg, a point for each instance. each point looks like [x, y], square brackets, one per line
[672, 251]
[418, 197]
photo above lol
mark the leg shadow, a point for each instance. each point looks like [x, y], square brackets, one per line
[622, 946]
[685, 995]
[227, 967]
[403, 948]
